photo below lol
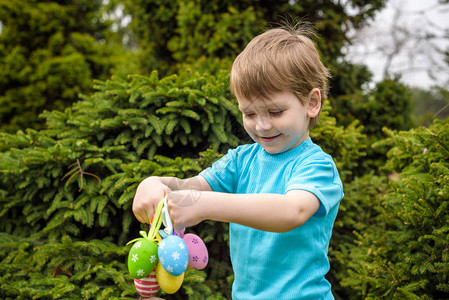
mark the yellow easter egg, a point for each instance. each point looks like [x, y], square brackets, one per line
[167, 282]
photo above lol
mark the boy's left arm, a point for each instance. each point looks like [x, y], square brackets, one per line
[268, 212]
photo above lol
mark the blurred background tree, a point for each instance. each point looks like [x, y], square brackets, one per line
[173, 34]
[408, 41]
[49, 53]
[430, 104]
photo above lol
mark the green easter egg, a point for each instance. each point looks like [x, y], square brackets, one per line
[142, 258]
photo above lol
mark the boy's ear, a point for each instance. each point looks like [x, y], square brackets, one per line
[314, 103]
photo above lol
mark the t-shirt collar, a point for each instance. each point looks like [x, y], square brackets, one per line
[289, 154]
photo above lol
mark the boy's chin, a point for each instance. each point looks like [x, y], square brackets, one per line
[280, 149]
[273, 150]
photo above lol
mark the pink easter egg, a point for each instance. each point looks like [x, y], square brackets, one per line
[198, 255]
[147, 286]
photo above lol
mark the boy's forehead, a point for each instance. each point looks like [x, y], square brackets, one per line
[260, 103]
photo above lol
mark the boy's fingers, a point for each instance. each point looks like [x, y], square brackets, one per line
[148, 216]
[142, 216]
[140, 219]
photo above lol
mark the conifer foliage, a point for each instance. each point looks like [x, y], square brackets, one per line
[404, 254]
[66, 190]
[388, 105]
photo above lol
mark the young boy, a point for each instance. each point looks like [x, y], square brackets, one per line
[280, 194]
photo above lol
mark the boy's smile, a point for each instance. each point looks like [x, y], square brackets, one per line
[281, 122]
[269, 139]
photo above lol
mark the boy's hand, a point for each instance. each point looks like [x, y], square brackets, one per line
[184, 208]
[149, 193]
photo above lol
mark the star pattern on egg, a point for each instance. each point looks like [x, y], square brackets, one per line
[137, 245]
[135, 257]
[162, 245]
[140, 272]
[153, 258]
[174, 255]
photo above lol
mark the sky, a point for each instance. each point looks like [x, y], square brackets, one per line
[412, 54]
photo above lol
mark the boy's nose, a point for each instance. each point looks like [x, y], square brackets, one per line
[263, 124]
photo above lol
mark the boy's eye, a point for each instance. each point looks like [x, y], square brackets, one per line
[276, 113]
[249, 115]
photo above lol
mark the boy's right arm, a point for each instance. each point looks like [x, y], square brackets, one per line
[153, 189]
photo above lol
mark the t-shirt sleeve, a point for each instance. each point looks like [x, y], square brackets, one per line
[320, 178]
[221, 176]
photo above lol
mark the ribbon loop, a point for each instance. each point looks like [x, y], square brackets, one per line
[157, 220]
[166, 219]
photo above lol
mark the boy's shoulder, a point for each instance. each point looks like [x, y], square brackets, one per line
[316, 155]
[316, 152]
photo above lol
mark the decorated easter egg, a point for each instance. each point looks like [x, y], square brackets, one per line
[168, 283]
[173, 255]
[198, 255]
[148, 286]
[142, 258]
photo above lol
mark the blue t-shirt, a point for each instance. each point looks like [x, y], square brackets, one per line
[289, 265]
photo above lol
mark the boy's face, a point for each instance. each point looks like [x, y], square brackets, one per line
[279, 123]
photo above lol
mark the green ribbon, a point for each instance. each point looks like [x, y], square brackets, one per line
[157, 221]
[155, 225]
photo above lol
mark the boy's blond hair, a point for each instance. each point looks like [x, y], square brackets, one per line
[280, 59]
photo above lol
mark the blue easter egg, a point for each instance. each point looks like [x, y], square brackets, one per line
[173, 255]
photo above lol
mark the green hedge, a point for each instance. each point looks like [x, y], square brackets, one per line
[66, 190]
[404, 252]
